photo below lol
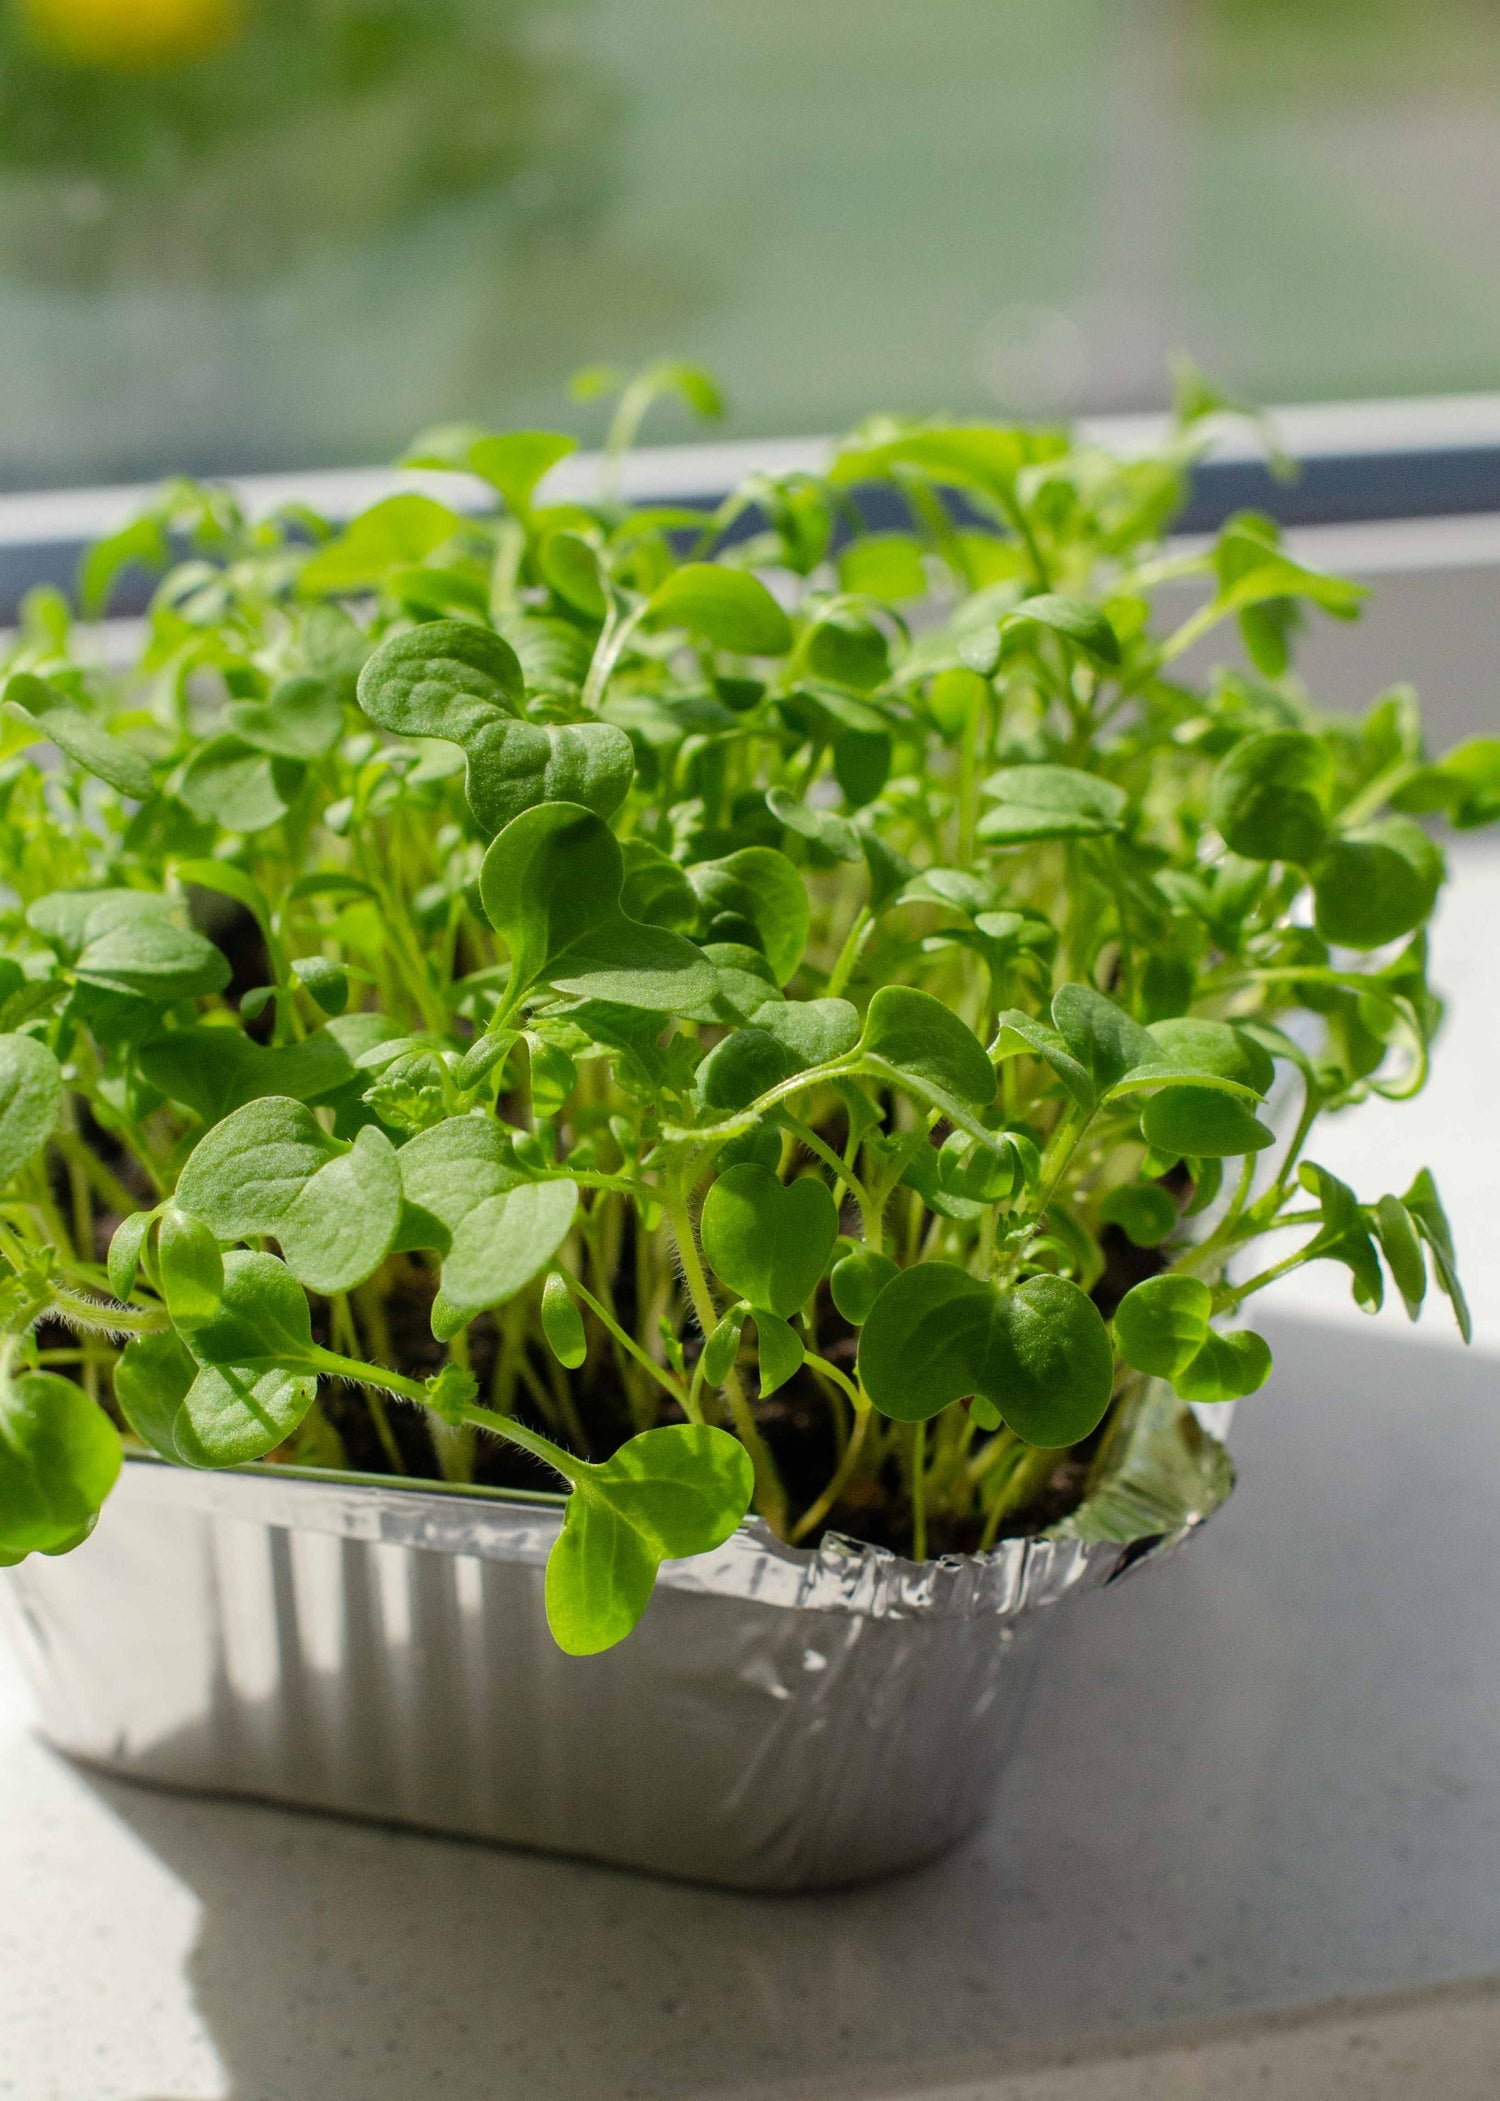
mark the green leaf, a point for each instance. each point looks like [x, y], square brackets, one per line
[1345, 1233]
[327, 982]
[228, 880]
[245, 1175]
[954, 700]
[1202, 1122]
[505, 1241]
[444, 678]
[447, 1171]
[230, 1415]
[1040, 1353]
[780, 1351]
[340, 1226]
[1073, 618]
[300, 718]
[1401, 1244]
[31, 1094]
[1426, 1209]
[125, 941]
[1102, 1036]
[562, 1323]
[75, 732]
[769, 1241]
[1268, 797]
[1161, 1325]
[1376, 884]
[1144, 1212]
[399, 529]
[571, 567]
[1217, 1047]
[728, 607]
[125, 1249]
[229, 782]
[59, 1459]
[722, 1345]
[151, 1383]
[824, 828]
[857, 1280]
[917, 1036]
[453, 680]
[1022, 1033]
[192, 1268]
[207, 1415]
[1050, 802]
[756, 892]
[516, 461]
[270, 1169]
[261, 1320]
[1464, 784]
[551, 885]
[884, 565]
[665, 1494]
[1226, 1368]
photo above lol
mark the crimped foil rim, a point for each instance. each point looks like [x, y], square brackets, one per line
[841, 1575]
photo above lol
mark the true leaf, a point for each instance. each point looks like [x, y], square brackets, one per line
[551, 887]
[301, 718]
[230, 782]
[339, 1227]
[728, 607]
[919, 1037]
[403, 528]
[1073, 618]
[760, 891]
[1049, 802]
[780, 1350]
[505, 1241]
[665, 1494]
[77, 733]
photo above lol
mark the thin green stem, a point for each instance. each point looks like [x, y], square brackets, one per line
[670, 1385]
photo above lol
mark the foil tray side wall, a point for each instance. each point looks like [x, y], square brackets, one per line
[780, 1720]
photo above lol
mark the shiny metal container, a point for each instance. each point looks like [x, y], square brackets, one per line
[780, 1720]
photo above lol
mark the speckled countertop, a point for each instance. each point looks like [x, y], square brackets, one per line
[1250, 1843]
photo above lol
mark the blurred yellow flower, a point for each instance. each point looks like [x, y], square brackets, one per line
[133, 36]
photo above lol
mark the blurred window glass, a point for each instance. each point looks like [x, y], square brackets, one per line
[240, 234]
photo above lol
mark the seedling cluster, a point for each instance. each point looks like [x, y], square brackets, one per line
[748, 1008]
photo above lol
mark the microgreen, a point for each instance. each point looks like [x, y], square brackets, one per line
[814, 1020]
